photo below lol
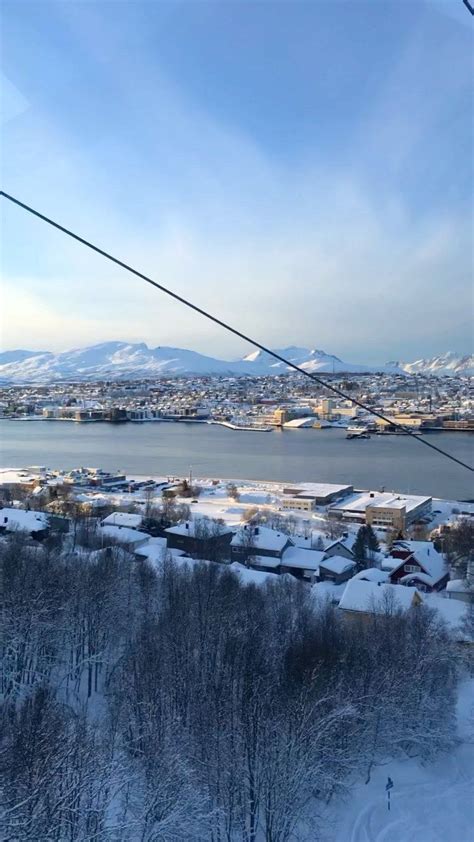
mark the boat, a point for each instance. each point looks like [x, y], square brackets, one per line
[362, 435]
[357, 428]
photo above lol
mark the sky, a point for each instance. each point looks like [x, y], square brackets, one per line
[302, 169]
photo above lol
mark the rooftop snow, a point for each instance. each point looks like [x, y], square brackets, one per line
[458, 586]
[360, 502]
[318, 489]
[251, 577]
[369, 597]
[11, 519]
[328, 591]
[123, 519]
[426, 555]
[153, 550]
[265, 538]
[12, 476]
[189, 528]
[123, 533]
[453, 612]
[337, 564]
[372, 574]
[302, 559]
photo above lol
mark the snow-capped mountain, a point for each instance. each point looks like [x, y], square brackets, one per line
[115, 360]
[447, 364]
[314, 360]
[122, 360]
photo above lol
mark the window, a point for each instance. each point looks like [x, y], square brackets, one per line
[412, 568]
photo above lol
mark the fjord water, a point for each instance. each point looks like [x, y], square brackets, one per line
[395, 462]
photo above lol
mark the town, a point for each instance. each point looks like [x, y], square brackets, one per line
[355, 548]
[416, 402]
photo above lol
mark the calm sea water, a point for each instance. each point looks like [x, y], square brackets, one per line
[396, 462]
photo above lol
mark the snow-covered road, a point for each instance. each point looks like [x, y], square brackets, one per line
[433, 803]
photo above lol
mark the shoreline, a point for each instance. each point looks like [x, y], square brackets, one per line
[229, 426]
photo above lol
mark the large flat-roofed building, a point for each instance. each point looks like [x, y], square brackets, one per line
[299, 503]
[383, 510]
[306, 495]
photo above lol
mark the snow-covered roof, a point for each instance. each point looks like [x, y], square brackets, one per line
[196, 529]
[13, 476]
[372, 574]
[153, 549]
[416, 577]
[369, 597]
[263, 538]
[453, 612]
[300, 422]
[123, 533]
[337, 564]
[324, 591]
[359, 502]
[302, 559]
[346, 541]
[252, 577]
[426, 555]
[389, 563]
[13, 519]
[317, 489]
[308, 542]
[123, 519]
[458, 586]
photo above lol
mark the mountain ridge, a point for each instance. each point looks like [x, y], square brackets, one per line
[127, 360]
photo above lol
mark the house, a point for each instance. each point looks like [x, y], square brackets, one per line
[341, 547]
[303, 564]
[266, 563]
[325, 592]
[251, 577]
[336, 569]
[362, 599]
[155, 551]
[258, 541]
[201, 538]
[420, 565]
[35, 524]
[455, 615]
[131, 521]
[124, 534]
[372, 574]
[460, 589]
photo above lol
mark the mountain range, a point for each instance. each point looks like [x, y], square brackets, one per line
[124, 360]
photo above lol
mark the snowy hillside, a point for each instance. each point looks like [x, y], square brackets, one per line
[446, 364]
[116, 360]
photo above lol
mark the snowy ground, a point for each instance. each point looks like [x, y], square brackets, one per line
[432, 803]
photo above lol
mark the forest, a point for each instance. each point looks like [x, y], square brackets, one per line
[174, 702]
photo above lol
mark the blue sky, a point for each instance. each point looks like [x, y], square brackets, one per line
[302, 169]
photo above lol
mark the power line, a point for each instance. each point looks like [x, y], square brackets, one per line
[230, 329]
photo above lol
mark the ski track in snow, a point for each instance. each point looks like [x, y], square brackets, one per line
[432, 803]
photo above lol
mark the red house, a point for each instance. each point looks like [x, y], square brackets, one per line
[420, 566]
